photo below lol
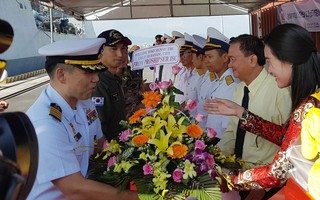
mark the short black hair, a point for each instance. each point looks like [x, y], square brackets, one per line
[249, 45]
[158, 36]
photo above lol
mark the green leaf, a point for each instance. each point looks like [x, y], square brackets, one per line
[177, 91]
[127, 153]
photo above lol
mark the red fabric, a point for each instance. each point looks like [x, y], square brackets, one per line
[133, 186]
[274, 174]
[291, 191]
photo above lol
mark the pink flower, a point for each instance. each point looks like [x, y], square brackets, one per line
[177, 175]
[200, 145]
[211, 133]
[124, 135]
[191, 104]
[105, 144]
[210, 161]
[153, 86]
[176, 69]
[147, 169]
[164, 84]
[199, 117]
[112, 161]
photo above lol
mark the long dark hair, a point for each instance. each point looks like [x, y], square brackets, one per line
[294, 44]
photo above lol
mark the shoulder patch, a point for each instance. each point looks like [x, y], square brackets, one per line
[229, 79]
[98, 101]
[55, 111]
[212, 76]
[200, 72]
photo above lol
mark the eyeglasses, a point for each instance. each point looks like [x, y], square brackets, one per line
[3, 64]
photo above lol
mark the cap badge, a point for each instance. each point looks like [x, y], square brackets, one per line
[115, 34]
[208, 39]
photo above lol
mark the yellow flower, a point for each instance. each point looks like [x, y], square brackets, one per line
[143, 156]
[231, 158]
[162, 143]
[194, 131]
[176, 128]
[151, 99]
[188, 170]
[166, 109]
[124, 165]
[113, 147]
[150, 126]
[160, 181]
[136, 117]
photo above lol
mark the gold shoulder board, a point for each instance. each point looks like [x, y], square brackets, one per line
[229, 79]
[212, 76]
[55, 111]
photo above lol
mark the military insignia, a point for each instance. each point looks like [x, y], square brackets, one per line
[115, 34]
[208, 39]
[200, 72]
[91, 116]
[55, 111]
[229, 79]
[115, 97]
[212, 76]
[76, 136]
[98, 101]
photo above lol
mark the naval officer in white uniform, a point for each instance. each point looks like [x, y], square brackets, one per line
[66, 123]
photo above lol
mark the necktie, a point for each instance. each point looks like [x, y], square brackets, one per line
[241, 133]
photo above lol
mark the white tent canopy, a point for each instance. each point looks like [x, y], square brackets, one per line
[143, 9]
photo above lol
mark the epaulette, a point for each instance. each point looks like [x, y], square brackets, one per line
[55, 111]
[212, 76]
[200, 72]
[229, 79]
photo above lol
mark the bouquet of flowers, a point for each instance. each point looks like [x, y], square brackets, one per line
[162, 151]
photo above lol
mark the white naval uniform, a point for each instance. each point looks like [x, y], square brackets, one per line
[167, 72]
[207, 85]
[60, 153]
[223, 90]
[180, 83]
[192, 86]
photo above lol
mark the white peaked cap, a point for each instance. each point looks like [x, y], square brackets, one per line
[216, 39]
[82, 53]
[73, 47]
[180, 41]
[166, 36]
[188, 37]
[176, 35]
[199, 41]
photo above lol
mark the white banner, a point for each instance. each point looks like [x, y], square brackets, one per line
[305, 13]
[155, 55]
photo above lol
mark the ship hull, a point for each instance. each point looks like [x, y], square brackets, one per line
[22, 56]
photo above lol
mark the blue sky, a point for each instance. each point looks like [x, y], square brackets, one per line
[142, 31]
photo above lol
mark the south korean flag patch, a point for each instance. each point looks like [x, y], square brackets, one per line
[98, 101]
